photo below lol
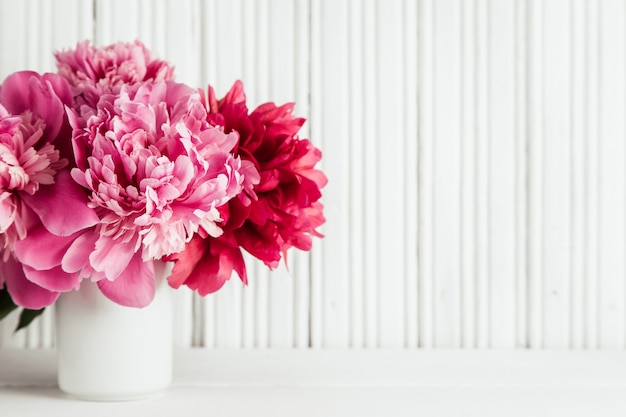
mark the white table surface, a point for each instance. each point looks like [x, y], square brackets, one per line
[343, 383]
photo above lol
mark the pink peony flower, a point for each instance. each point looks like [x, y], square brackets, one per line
[93, 71]
[156, 172]
[37, 197]
[26, 163]
[283, 211]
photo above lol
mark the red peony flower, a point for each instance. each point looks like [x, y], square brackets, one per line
[283, 211]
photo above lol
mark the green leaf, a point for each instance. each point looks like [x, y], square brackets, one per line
[26, 317]
[6, 303]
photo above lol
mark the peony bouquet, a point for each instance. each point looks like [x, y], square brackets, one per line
[109, 165]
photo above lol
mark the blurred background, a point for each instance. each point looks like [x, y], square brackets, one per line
[475, 151]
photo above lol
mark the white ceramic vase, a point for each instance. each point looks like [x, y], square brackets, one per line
[107, 352]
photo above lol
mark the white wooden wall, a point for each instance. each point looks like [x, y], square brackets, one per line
[475, 149]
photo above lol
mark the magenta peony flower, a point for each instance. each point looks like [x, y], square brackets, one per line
[24, 167]
[156, 172]
[93, 71]
[283, 211]
[37, 197]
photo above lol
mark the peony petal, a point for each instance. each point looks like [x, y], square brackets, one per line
[60, 87]
[111, 256]
[79, 142]
[261, 243]
[14, 91]
[45, 102]
[210, 274]
[54, 279]
[134, 287]
[235, 95]
[8, 210]
[239, 265]
[176, 91]
[62, 206]
[41, 250]
[221, 257]
[185, 261]
[77, 255]
[23, 292]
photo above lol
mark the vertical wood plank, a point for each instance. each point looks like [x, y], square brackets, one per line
[263, 302]
[410, 192]
[578, 123]
[521, 175]
[299, 274]
[468, 178]
[248, 302]
[370, 204]
[481, 159]
[592, 200]
[357, 172]
[502, 174]
[227, 314]
[205, 319]
[535, 173]
[612, 193]
[391, 181]
[425, 164]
